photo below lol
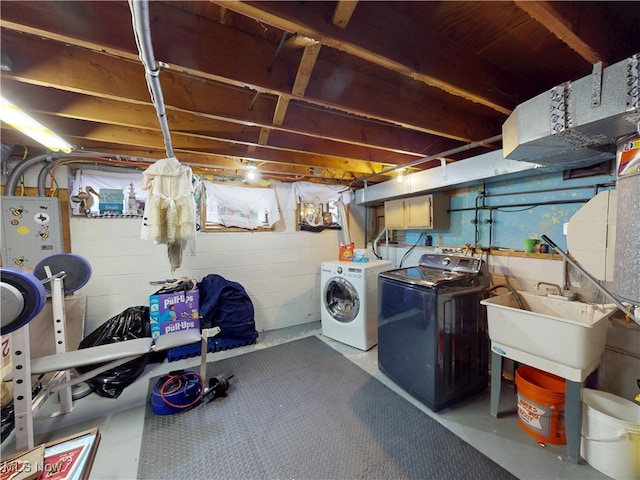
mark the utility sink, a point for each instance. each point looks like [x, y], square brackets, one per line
[562, 337]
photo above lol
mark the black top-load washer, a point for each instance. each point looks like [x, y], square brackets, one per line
[432, 331]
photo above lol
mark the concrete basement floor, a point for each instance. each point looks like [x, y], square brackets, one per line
[121, 420]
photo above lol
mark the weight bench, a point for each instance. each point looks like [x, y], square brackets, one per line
[23, 297]
[111, 355]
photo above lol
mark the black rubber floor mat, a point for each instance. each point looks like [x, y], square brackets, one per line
[301, 410]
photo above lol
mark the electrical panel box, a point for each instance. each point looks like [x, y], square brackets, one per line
[31, 230]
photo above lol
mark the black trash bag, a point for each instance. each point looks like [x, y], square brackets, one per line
[132, 323]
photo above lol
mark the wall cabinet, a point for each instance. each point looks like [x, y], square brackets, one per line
[422, 212]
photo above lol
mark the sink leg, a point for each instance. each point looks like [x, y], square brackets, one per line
[573, 419]
[496, 383]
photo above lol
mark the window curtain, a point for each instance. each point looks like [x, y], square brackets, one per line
[98, 179]
[241, 207]
[308, 192]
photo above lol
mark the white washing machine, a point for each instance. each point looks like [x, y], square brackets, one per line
[349, 301]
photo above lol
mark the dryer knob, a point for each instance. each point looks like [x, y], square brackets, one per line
[339, 270]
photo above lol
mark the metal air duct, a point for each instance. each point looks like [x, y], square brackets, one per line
[576, 124]
[470, 171]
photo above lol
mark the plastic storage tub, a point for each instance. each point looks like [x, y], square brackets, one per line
[611, 434]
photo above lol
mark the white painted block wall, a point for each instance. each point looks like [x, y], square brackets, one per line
[280, 270]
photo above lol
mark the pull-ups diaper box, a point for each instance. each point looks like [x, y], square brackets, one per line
[170, 312]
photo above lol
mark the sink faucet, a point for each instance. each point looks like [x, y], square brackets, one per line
[557, 287]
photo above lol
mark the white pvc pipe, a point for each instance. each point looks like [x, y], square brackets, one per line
[346, 236]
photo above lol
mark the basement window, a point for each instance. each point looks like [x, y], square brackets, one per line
[222, 207]
[315, 217]
[234, 208]
[103, 194]
[317, 206]
[604, 168]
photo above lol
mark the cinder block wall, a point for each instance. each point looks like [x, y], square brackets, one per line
[280, 270]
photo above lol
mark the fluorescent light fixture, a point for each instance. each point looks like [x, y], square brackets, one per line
[19, 120]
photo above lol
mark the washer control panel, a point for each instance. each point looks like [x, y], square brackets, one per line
[353, 272]
[346, 271]
[453, 263]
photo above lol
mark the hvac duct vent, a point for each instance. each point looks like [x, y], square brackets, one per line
[576, 123]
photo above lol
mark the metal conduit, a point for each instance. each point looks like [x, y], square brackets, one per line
[142, 34]
[278, 50]
[5, 151]
[100, 165]
[595, 187]
[18, 171]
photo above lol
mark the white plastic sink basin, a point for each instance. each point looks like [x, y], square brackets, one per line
[551, 334]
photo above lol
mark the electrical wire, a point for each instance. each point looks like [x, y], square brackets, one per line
[505, 209]
[51, 168]
[373, 249]
[177, 382]
[24, 157]
[406, 254]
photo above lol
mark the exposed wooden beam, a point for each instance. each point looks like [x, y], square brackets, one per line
[547, 15]
[298, 41]
[40, 100]
[104, 76]
[307, 19]
[264, 136]
[153, 140]
[436, 115]
[309, 58]
[281, 110]
[342, 13]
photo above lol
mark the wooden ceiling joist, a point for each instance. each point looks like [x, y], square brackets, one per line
[441, 118]
[342, 13]
[337, 89]
[546, 14]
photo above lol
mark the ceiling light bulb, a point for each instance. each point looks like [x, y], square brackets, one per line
[19, 120]
[251, 172]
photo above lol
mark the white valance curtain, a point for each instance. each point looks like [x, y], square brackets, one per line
[308, 192]
[242, 207]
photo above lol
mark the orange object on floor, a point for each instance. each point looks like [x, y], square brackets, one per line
[541, 405]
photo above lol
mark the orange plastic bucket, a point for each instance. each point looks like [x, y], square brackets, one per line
[541, 405]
